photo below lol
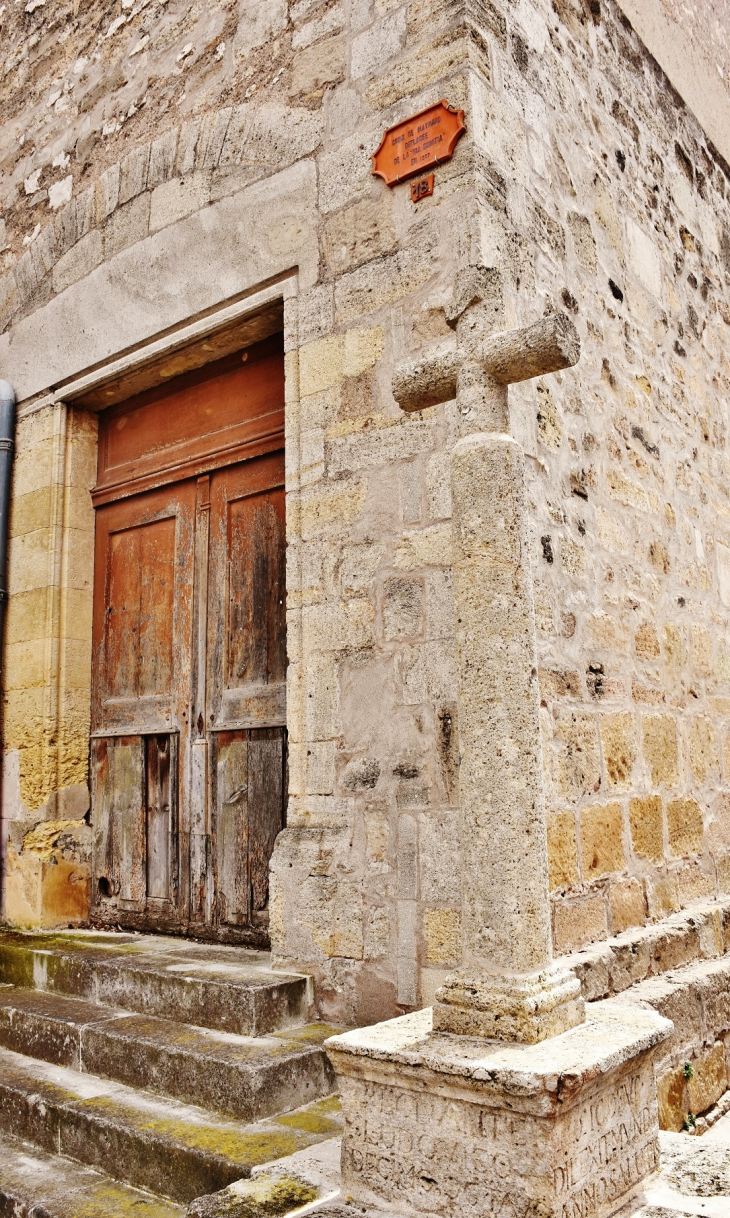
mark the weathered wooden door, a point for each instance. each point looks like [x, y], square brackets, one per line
[188, 750]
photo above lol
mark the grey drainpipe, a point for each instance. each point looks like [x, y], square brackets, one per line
[7, 433]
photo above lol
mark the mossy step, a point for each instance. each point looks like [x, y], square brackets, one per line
[34, 1183]
[176, 1150]
[242, 1076]
[231, 989]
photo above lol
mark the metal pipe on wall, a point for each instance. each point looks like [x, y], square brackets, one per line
[7, 445]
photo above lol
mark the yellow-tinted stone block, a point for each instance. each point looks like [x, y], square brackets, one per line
[579, 921]
[618, 737]
[562, 851]
[671, 1100]
[325, 362]
[703, 749]
[700, 650]
[709, 1079]
[627, 905]
[442, 935]
[646, 642]
[647, 827]
[685, 827]
[661, 750]
[601, 832]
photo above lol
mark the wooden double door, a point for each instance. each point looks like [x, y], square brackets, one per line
[188, 748]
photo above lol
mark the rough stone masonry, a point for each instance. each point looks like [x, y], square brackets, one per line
[160, 159]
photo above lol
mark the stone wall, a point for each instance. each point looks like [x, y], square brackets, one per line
[591, 189]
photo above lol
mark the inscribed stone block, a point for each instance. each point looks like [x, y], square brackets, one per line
[418, 1102]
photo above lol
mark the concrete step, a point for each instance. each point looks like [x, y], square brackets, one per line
[231, 989]
[241, 1076]
[175, 1150]
[35, 1184]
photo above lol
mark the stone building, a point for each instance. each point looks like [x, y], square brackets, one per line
[219, 323]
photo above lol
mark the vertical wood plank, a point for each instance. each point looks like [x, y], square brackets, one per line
[231, 828]
[158, 816]
[265, 807]
[118, 794]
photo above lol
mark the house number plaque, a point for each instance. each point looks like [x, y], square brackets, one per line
[418, 143]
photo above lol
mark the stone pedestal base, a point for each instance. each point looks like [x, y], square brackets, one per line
[526, 1009]
[445, 1125]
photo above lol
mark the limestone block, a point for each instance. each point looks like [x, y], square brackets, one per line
[601, 832]
[427, 547]
[345, 174]
[579, 920]
[442, 936]
[685, 827]
[709, 1079]
[618, 738]
[646, 642]
[435, 1123]
[360, 232]
[375, 46]
[402, 608]
[418, 70]
[694, 882]
[383, 281]
[336, 504]
[662, 896]
[317, 67]
[176, 199]
[128, 224]
[79, 261]
[439, 858]
[438, 487]
[583, 240]
[661, 750]
[325, 362]
[671, 1100]
[336, 626]
[703, 749]
[627, 905]
[562, 852]
[647, 827]
[700, 650]
[579, 765]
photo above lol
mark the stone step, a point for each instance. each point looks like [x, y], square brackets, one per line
[175, 1150]
[36, 1184]
[241, 1076]
[231, 989]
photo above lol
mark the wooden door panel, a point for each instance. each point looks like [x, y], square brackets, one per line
[255, 645]
[161, 814]
[231, 828]
[266, 765]
[246, 608]
[248, 801]
[143, 610]
[118, 803]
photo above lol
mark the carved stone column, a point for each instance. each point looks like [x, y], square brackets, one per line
[507, 987]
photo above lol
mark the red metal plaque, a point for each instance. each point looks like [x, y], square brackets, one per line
[419, 142]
